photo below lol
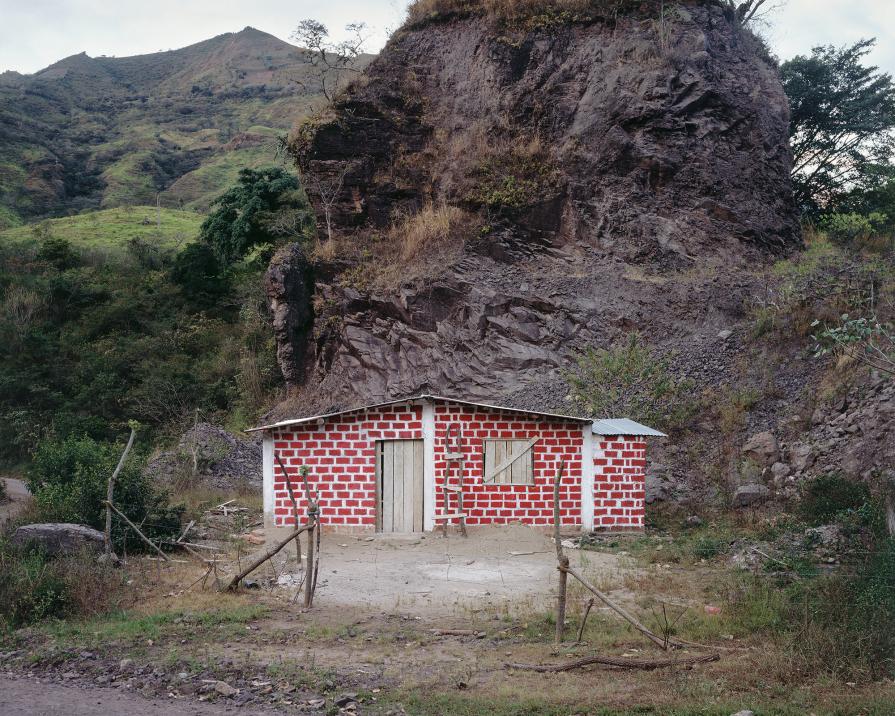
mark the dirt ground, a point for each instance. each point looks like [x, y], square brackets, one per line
[503, 569]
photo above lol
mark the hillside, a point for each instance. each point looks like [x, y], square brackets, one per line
[113, 228]
[515, 193]
[100, 132]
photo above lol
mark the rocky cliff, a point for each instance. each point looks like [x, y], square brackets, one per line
[500, 195]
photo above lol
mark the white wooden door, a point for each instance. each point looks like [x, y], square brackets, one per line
[399, 481]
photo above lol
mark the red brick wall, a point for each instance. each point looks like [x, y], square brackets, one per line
[341, 457]
[619, 483]
[501, 504]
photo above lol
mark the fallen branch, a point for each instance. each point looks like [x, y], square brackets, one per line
[136, 529]
[617, 661]
[234, 582]
[457, 632]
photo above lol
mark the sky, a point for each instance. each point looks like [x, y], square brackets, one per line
[36, 33]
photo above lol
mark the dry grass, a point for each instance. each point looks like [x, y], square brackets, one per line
[430, 229]
[422, 11]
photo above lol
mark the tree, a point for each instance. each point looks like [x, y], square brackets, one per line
[843, 117]
[331, 60]
[742, 13]
[246, 215]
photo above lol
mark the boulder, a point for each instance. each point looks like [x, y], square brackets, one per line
[750, 495]
[802, 457]
[762, 449]
[59, 538]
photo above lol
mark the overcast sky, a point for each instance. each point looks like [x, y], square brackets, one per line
[36, 33]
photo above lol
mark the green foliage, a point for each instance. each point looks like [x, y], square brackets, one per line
[247, 215]
[631, 381]
[68, 479]
[199, 272]
[865, 339]
[841, 131]
[113, 228]
[56, 251]
[853, 229]
[84, 349]
[819, 285]
[826, 498]
[707, 547]
[34, 587]
[511, 181]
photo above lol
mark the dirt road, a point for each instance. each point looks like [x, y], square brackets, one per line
[21, 696]
[18, 496]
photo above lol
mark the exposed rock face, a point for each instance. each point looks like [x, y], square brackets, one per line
[762, 449]
[597, 163]
[59, 538]
[290, 288]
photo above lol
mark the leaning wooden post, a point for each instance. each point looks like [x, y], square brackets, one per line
[311, 564]
[294, 505]
[110, 490]
[562, 560]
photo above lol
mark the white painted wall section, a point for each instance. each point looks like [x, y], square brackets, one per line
[428, 466]
[267, 475]
[587, 477]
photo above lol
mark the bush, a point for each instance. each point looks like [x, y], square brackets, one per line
[630, 381]
[854, 230]
[828, 497]
[34, 587]
[68, 479]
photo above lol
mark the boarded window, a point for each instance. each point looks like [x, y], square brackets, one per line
[500, 466]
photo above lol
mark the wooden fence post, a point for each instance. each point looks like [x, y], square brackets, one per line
[110, 490]
[562, 560]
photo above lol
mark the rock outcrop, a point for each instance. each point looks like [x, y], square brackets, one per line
[597, 161]
[59, 538]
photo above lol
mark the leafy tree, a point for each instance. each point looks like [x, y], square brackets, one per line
[843, 124]
[244, 215]
[68, 479]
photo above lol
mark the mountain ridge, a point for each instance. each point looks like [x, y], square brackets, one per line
[98, 132]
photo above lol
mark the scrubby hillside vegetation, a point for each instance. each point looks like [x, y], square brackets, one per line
[101, 132]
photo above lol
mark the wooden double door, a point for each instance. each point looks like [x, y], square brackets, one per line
[399, 485]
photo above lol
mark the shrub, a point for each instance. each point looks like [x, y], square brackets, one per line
[709, 547]
[34, 587]
[854, 230]
[68, 479]
[631, 381]
[827, 497]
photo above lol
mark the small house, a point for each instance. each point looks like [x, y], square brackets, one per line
[423, 463]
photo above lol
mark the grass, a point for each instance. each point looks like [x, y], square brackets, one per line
[132, 626]
[114, 228]
[421, 11]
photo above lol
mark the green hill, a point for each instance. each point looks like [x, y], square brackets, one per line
[100, 132]
[165, 228]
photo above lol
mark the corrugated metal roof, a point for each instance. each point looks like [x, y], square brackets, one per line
[623, 426]
[439, 398]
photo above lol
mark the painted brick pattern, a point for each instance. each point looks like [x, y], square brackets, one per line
[486, 504]
[619, 483]
[341, 457]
